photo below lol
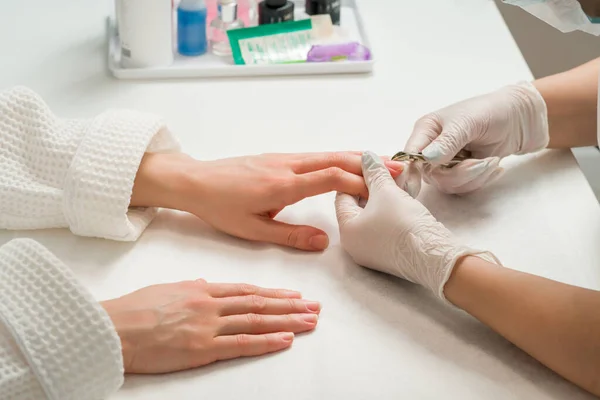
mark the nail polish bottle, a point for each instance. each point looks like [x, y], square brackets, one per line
[331, 7]
[252, 13]
[227, 19]
[275, 11]
[191, 28]
[247, 11]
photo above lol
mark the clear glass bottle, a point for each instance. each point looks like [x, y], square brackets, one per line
[227, 19]
[252, 6]
[247, 11]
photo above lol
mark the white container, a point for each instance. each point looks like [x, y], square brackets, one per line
[145, 29]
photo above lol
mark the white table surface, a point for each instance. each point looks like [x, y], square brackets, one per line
[378, 337]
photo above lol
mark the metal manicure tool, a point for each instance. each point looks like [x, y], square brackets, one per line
[403, 156]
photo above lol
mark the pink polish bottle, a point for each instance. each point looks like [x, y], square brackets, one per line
[247, 11]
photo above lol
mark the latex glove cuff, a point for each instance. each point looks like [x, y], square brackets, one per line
[454, 257]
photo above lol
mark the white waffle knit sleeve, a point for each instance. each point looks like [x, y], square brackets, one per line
[57, 173]
[56, 341]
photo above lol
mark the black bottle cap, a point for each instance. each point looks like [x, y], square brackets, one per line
[276, 3]
[331, 7]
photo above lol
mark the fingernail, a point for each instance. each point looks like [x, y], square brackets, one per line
[395, 167]
[313, 306]
[286, 336]
[432, 152]
[310, 318]
[319, 242]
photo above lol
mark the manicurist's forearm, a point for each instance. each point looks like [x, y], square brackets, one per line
[571, 98]
[557, 324]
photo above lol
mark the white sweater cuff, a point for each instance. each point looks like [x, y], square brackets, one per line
[66, 337]
[99, 182]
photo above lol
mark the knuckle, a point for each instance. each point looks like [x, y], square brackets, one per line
[198, 344]
[258, 303]
[279, 181]
[336, 158]
[199, 303]
[334, 174]
[428, 121]
[280, 187]
[292, 304]
[293, 237]
[255, 320]
[242, 340]
[194, 285]
[246, 289]
[285, 186]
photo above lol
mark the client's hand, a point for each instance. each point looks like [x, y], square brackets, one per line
[178, 326]
[241, 196]
[396, 234]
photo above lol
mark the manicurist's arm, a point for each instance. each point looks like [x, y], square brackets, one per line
[555, 323]
[571, 98]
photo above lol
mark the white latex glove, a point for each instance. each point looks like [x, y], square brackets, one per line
[512, 120]
[396, 234]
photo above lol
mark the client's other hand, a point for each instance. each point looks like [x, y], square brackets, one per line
[178, 326]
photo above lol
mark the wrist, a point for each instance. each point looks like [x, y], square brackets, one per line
[161, 180]
[121, 321]
[465, 275]
[456, 282]
[532, 117]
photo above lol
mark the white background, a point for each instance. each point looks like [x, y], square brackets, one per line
[378, 337]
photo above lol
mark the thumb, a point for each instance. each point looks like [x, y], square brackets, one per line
[346, 208]
[447, 145]
[375, 173]
[300, 237]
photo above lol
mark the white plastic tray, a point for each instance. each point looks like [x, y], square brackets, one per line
[212, 66]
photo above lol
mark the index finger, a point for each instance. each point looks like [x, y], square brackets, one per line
[219, 290]
[329, 180]
[349, 161]
[346, 160]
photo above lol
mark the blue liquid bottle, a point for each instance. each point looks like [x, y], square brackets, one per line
[191, 28]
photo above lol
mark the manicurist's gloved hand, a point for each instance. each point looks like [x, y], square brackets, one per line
[396, 234]
[512, 120]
